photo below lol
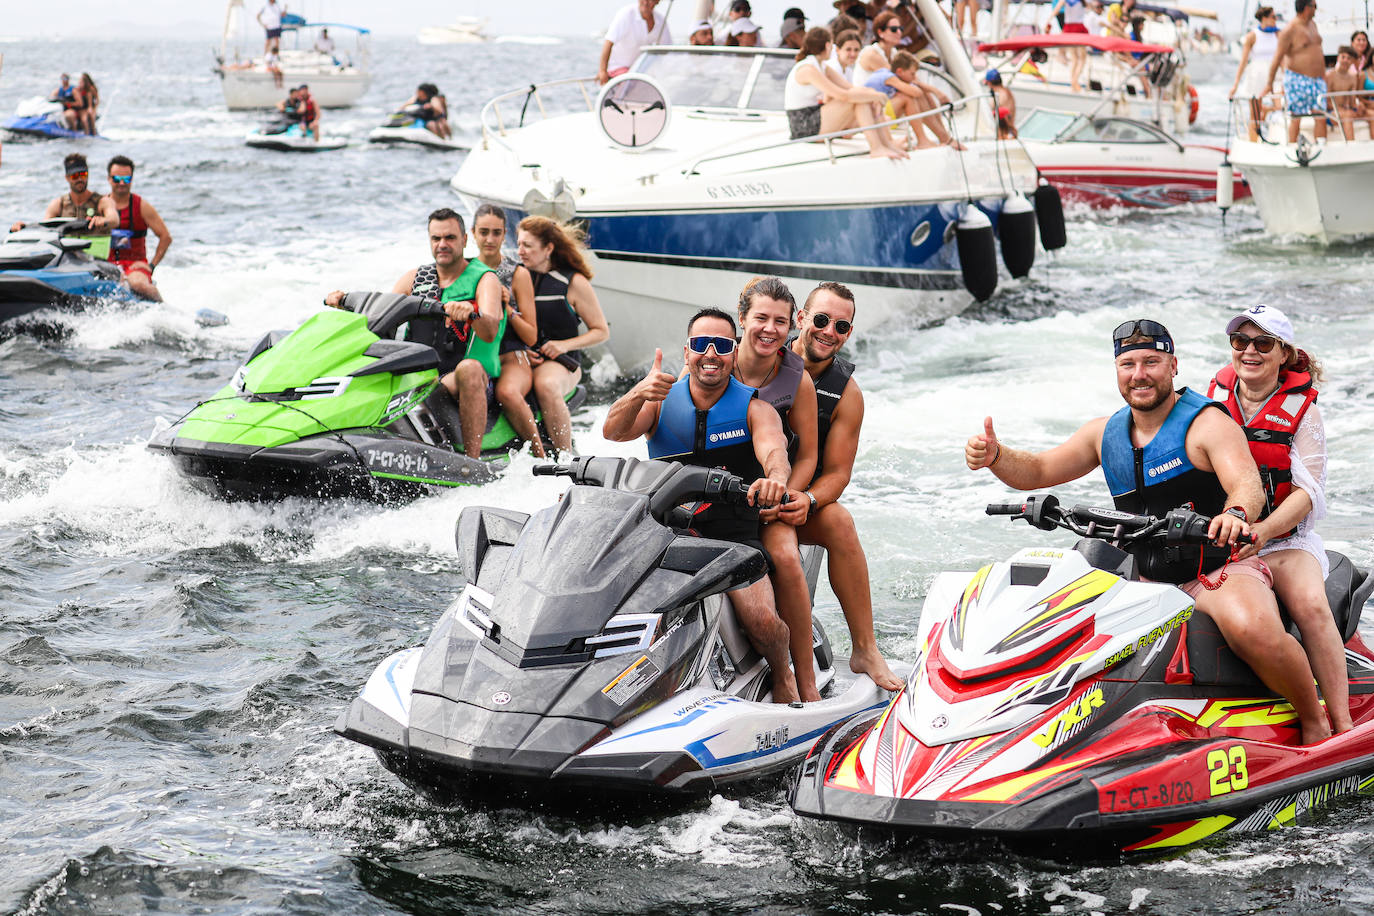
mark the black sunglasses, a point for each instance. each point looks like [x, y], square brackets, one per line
[892, 28]
[724, 345]
[842, 327]
[1145, 326]
[1263, 343]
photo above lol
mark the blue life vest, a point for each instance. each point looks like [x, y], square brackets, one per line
[1157, 477]
[704, 437]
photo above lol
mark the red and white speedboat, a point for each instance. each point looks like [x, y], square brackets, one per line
[1112, 161]
[1057, 698]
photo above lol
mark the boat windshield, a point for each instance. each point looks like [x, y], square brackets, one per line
[1044, 125]
[693, 78]
[1115, 130]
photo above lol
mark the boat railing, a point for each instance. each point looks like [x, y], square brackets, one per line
[494, 119]
[1266, 119]
[828, 139]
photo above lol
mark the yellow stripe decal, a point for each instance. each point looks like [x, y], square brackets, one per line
[1198, 830]
[1004, 791]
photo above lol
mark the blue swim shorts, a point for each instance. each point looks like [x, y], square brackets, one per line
[1304, 94]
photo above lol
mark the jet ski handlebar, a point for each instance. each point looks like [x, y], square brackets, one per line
[668, 484]
[1178, 526]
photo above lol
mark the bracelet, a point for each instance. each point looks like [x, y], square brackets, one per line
[997, 457]
[1238, 512]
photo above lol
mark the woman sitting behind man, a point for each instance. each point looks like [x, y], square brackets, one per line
[553, 296]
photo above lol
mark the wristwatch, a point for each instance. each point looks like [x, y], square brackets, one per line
[1239, 513]
[815, 506]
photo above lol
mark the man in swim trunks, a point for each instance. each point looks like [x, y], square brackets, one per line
[825, 322]
[709, 418]
[1304, 79]
[1164, 449]
[80, 202]
[128, 246]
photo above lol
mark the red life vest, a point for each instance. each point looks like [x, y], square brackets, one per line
[131, 221]
[1270, 431]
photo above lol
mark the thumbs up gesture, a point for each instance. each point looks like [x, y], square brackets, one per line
[656, 384]
[982, 449]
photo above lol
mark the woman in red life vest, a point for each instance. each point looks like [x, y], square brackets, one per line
[1269, 388]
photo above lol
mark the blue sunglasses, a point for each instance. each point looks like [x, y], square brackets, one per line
[724, 345]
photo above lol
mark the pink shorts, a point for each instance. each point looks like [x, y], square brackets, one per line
[1251, 566]
[1075, 28]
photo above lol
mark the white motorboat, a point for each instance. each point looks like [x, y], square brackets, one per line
[1151, 88]
[688, 186]
[1111, 161]
[336, 79]
[462, 31]
[1320, 189]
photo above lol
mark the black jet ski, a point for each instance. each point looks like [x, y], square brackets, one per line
[594, 646]
[1059, 702]
[43, 265]
[337, 407]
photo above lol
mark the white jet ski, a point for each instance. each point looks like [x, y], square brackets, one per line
[405, 127]
[292, 138]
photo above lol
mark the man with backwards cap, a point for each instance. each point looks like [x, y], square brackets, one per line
[703, 33]
[1163, 449]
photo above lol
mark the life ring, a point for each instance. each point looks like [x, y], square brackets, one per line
[1192, 105]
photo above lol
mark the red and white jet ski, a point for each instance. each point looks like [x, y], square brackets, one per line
[1058, 699]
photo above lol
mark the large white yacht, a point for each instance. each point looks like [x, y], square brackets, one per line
[337, 78]
[688, 185]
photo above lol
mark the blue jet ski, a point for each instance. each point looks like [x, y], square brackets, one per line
[290, 136]
[40, 117]
[41, 266]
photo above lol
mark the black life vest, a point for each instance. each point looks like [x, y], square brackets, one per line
[1270, 431]
[437, 334]
[555, 318]
[830, 386]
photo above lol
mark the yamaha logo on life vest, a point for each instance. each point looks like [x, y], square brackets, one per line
[1166, 466]
[727, 435]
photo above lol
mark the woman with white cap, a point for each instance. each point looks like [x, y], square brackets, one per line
[1269, 390]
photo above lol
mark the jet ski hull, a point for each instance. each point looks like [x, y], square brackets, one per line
[288, 144]
[354, 464]
[415, 136]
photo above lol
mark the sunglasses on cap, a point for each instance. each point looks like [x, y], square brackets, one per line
[724, 345]
[821, 320]
[1145, 326]
[82, 175]
[1263, 343]
[122, 179]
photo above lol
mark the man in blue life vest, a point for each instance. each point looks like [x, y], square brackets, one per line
[1164, 449]
[825, 321]
[710, 419]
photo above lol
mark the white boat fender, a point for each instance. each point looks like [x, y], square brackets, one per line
[1049, 215]
[1226, 185]
[977, 252]
[1016, 234]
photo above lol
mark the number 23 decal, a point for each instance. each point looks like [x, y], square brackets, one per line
[1227, 766]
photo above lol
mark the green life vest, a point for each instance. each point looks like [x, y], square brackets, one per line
[488, 353]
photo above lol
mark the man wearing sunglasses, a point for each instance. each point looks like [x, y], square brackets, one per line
[824, 323]
[1165, 449]
[128, 242]
[80, 202]
[711, 419]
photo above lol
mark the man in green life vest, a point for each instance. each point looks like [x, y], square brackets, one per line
[469, 343]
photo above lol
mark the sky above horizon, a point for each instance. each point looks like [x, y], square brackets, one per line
[204, 18]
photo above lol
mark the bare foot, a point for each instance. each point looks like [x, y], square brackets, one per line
[785, 687]
[873, 665]
[885, 153]
[810, 695]
[955, 144]
[1316, 732]
[923, 143]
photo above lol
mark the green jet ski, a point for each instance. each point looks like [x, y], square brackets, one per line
[338, 407]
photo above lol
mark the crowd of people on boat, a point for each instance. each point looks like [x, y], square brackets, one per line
[1291, 60]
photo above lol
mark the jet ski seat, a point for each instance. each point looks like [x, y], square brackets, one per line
[1213, 662]
[35, 261]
